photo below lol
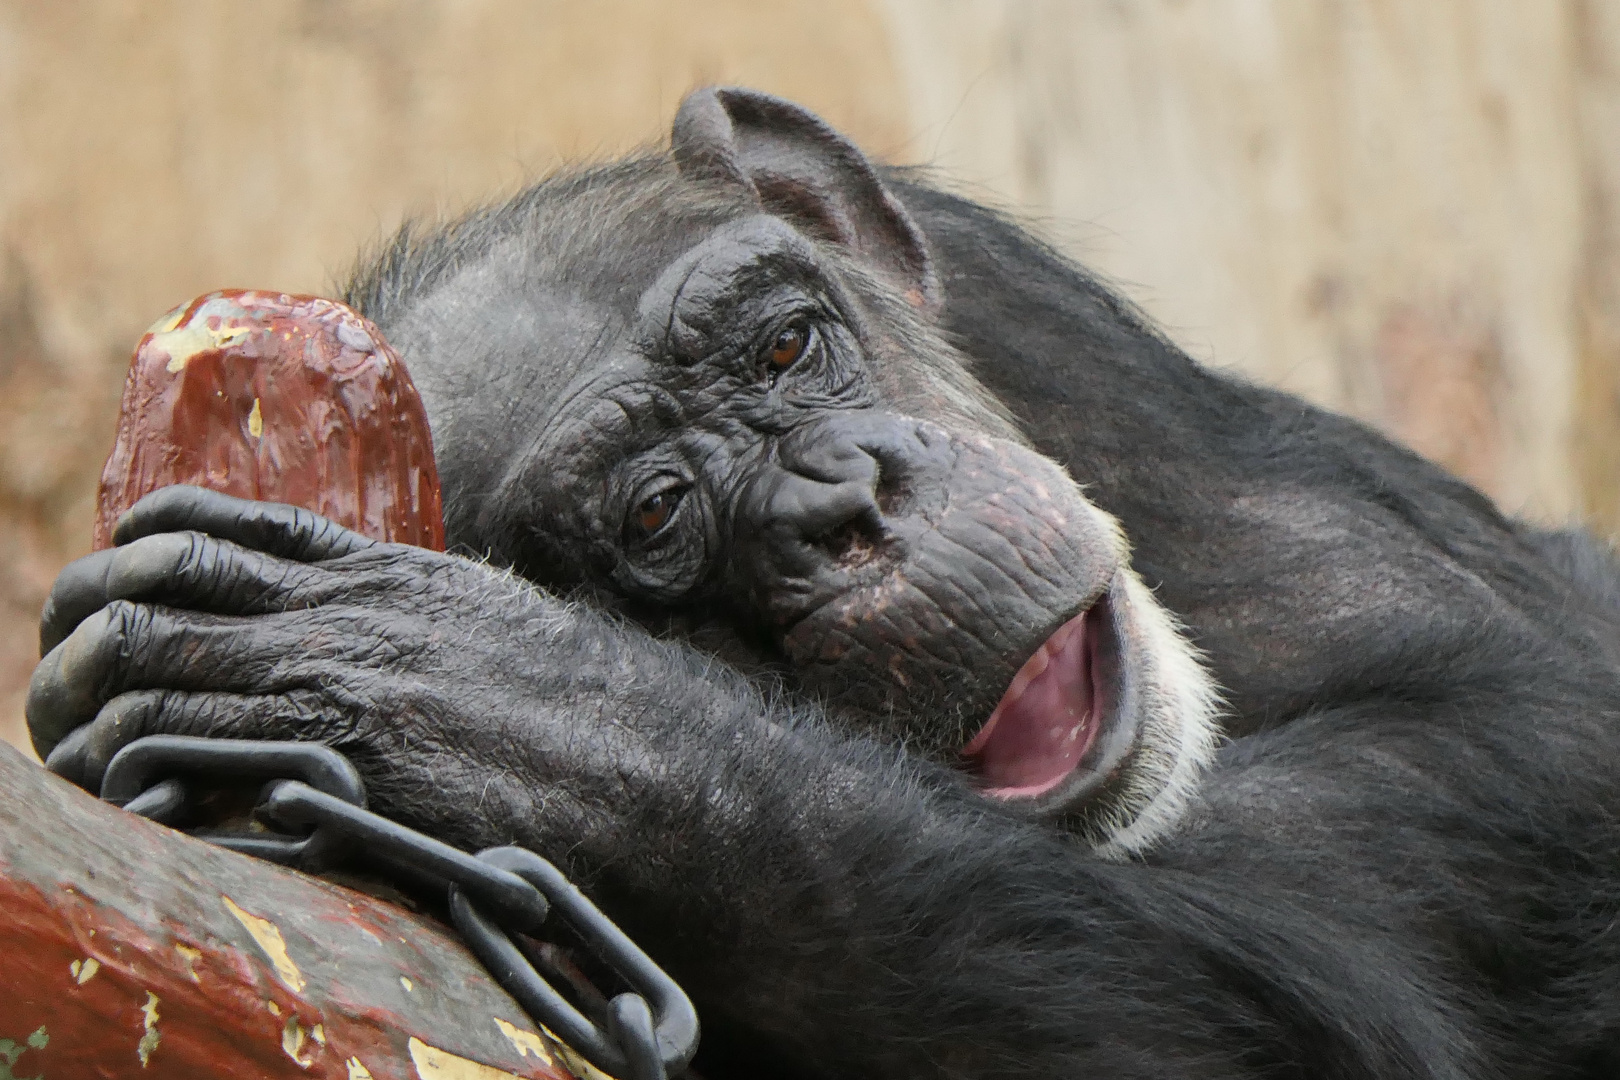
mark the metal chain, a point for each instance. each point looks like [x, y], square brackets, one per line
[316, 802]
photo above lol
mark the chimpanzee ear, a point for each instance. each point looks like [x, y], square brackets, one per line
[802, 170]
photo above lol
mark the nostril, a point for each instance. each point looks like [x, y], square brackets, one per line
[856, 541]
[828, 516]
[886, 490]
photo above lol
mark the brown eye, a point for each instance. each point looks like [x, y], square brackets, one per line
[788, 346]
[654, 513]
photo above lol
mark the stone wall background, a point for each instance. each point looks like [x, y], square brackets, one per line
[1408, 211]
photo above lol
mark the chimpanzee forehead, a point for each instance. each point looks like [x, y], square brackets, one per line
[524, 325]
[604, 231]
[538, 312]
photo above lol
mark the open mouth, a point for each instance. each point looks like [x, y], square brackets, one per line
[1054, 714]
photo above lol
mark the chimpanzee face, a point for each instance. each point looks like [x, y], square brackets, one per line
[728, 407]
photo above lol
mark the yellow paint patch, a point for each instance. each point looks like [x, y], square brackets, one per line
[84, 970]
[409, 986]
[357, 1069]
[184, 342]
[169, 321]
[292, 1043]
[318, 1033]
[435, 1064]
[275, 1010]
[572, 1061]
[255, 420]
[268, 937]
[526, 1042]
[190, 956]
[150, 1039]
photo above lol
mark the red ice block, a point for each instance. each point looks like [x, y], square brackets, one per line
[291, 399]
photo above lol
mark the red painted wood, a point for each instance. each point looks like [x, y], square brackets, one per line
[147, 912]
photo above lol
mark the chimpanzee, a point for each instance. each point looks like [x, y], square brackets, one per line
[939, 672]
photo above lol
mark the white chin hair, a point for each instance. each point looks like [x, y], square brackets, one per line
[1181, 707]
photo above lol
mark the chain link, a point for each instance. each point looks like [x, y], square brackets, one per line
[315, 802]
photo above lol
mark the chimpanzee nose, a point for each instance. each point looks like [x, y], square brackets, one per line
[826, 485]
[811, 511]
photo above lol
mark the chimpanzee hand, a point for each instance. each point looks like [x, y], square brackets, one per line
[468, 699]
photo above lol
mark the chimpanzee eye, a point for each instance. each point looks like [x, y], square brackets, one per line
[790, 344]
[653, 513]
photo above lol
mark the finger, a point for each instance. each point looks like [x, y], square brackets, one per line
[66, 759]
[289, 531]
[56, 703]
[79, 589]
[210, 714]
[118, 723]
[187, 570]
[126, 646]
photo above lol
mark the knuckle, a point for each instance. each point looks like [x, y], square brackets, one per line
[124, 642]
[42, 708]
[208, 714]
[212, 565]
[300, 532]
[120, 722]
[148, 564]
[65, 686]
[126, 620]
[288, 585]
[89, 643]
[129, 716]
[46, 677]
[306, 706]
[66, 758]
[78, 590]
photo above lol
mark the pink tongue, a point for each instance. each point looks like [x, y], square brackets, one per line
[1045, 722]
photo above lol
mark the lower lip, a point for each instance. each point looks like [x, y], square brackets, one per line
[1071, 699]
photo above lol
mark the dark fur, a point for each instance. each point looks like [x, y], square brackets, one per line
[1408, 866]
[1416, 832]
[1405, 864]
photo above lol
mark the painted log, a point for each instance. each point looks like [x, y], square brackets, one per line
[130, 950]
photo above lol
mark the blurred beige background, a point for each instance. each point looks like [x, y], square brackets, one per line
[1407, 211]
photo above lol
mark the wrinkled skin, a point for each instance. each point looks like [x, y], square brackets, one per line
[783, 480]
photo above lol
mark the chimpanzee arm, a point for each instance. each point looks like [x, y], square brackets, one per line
[836, 907]
[876, 918]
